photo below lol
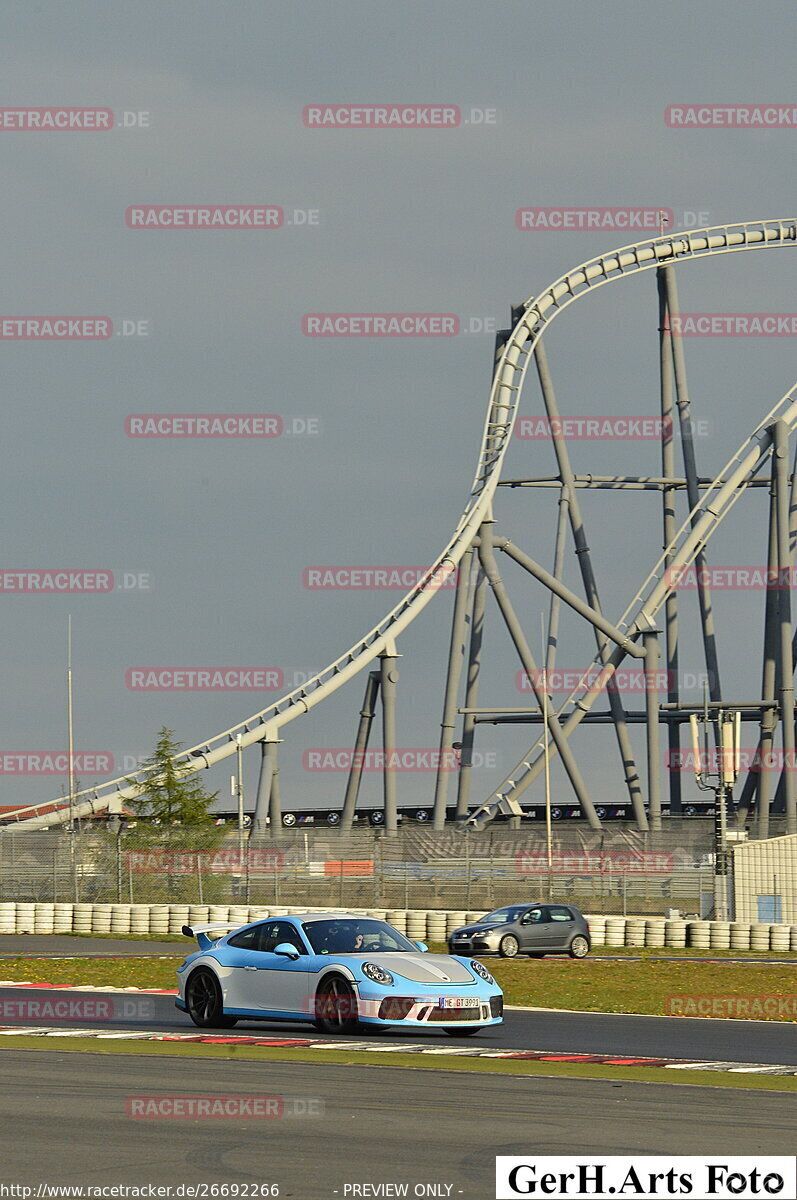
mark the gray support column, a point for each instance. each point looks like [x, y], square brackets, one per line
[780, 464]
[669, 528]
[692, 487]
[650, 640]
[488, 562]
[275, 799]
[263, 802]
[759, 782]
[590, 585]
[472, 687]
[388, 678]
[456, 653]
[360, 746]
[558, 568]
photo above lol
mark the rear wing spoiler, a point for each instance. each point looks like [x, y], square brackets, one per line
[200, 932]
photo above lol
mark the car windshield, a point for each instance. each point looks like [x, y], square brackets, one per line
[502, 916]
[355, 936]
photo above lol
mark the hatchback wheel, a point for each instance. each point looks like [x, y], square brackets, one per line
[204, 1003]
[336, 1006]
[508, 946]
[579, 947]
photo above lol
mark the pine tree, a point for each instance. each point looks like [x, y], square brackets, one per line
[167, 795]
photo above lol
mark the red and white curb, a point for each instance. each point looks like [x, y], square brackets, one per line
[542, 1056]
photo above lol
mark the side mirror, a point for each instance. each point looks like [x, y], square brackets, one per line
[286, 950]
[424, 949]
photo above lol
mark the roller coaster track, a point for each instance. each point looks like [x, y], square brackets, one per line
[537, 314]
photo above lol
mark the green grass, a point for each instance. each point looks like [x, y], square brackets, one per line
[634, 982]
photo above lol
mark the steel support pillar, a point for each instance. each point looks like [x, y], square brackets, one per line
[487, 556]
[692, 486]
[388, 678]
[588, 577]
[456, 653]
[360, 746]
[669, 529]
[650, 641]
[780, 463]
[758, 783]
[472, 687]
[267, 805]
[558, 570]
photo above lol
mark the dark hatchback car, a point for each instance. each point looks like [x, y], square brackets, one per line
[534, 929]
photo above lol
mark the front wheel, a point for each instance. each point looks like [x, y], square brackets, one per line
[336, 1007]
[459, 1031]
[579, 947]
[204, 1003]
[508, 946]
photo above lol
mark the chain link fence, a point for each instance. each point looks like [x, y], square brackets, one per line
[615, 871]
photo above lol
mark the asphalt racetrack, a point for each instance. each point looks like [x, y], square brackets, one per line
[773, 1042]
[68, 1124]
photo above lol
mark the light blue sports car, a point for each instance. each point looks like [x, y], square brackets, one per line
[337, 971]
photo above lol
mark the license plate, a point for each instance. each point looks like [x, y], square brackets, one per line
[458, 1002]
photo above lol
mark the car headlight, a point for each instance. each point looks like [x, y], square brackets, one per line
[377, 974]
[481, 971]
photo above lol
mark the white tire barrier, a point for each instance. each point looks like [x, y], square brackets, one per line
[740, 935]
[759, 937]
[44, 918]
[654, 932]
[675, 933]
[615, 931]
[635, 931]
[8, 917]
[455, 920]
[597, 930]
[159, 920]
[219, 912]
[239, 915]
[698, 934]
[140, 919]
[101, 919]
[63, 918]
[25, 917]
[719, 936]
[120, 918]
[81, 918]
[779, 937]
[178, 916]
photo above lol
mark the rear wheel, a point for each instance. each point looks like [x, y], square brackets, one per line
[459, 1031]
[336, 1006]
[508, 946]
[204, 1003]
[579, 947]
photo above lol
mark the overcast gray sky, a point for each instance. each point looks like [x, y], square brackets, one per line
[408, 220]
